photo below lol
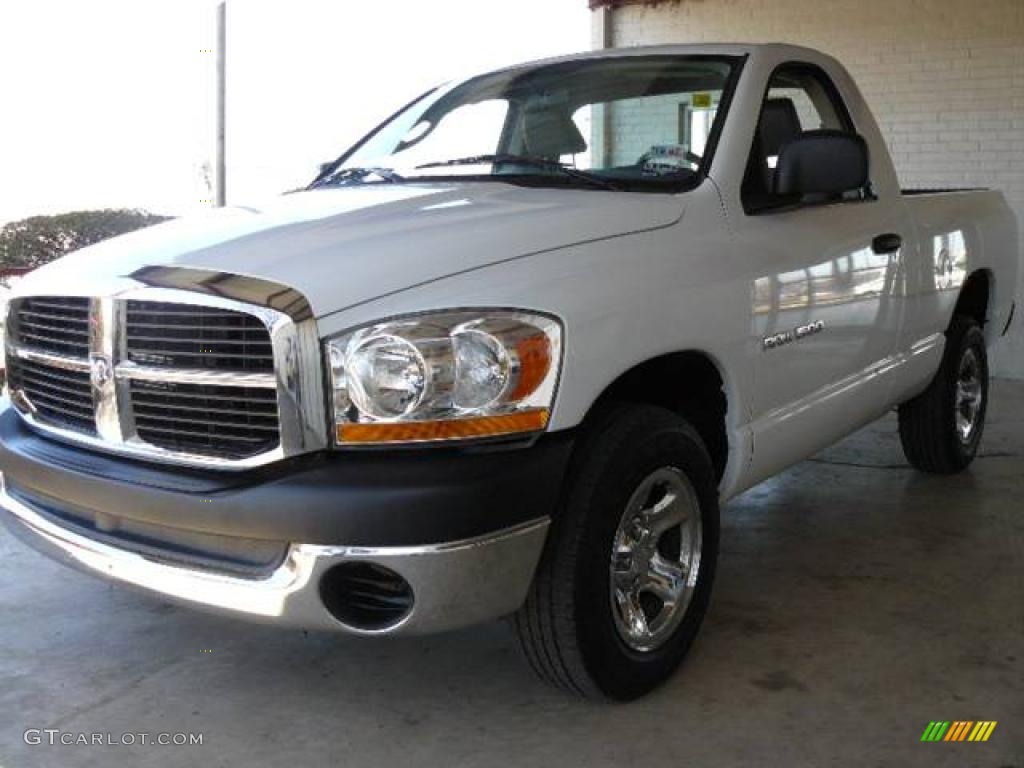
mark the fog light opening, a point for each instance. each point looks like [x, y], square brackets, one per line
[366, 596]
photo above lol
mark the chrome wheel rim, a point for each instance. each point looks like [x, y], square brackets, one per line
[655, 559]
[969, 396]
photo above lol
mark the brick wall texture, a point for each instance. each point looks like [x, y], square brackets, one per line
[945, 79]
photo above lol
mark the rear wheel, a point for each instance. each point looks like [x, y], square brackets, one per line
[626, 575]
[942, 427]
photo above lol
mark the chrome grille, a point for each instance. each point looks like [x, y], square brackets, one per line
[60, 397]
[52, 323]
[166, 334]
[233, 422]
[172, 374]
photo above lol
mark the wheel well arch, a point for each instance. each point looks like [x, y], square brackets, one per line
[975, 296]
[689, 383]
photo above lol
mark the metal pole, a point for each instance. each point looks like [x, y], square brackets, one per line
[221, 171]
[605, 27]
[606, 30]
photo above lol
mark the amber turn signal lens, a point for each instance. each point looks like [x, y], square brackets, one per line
[453, 429]
[534, 353]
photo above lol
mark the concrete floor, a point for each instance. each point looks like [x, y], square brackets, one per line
[856, 601]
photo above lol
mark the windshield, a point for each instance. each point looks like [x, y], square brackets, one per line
[639, 123]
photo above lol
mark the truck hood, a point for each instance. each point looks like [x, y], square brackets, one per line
[344, 246]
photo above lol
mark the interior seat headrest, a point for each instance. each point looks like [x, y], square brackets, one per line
[550, 132]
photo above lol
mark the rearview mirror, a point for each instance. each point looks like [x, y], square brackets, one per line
[822, 163]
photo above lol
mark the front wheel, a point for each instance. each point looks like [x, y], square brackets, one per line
[626, 576]
[941, 428]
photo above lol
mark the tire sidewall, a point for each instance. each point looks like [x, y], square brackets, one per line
[970, 337]
[618, 670]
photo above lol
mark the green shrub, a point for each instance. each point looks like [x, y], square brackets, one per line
[37, 240]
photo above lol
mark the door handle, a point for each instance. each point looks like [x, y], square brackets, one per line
[887, 243]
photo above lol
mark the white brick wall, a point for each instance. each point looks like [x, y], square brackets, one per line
[945, 79]
[639, 124]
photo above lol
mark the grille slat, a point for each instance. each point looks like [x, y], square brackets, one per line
[137, 308]
[165, 415]
[43, 341]
[164, 334]
[61, 405]
[139, 397]
[63, 327]
[57, 374]
[30, 315]
[220, 424]
[141, 407]
[40, 382]
[71, 407]
[141, 351]
[165, 325]
[27, 322]
[187, 340]
[69, 303]
[189, 434]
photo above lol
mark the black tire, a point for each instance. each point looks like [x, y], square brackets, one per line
[567, 627]
[929, 432]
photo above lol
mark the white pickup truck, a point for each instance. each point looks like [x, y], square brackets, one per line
[507, 356]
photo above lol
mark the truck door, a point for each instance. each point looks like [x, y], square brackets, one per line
[825, 317]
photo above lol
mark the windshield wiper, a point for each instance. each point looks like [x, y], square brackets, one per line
[348, 175]
[535, 162]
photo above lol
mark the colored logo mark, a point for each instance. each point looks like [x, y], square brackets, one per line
[959, 730]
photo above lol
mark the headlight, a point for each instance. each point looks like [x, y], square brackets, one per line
[444, 376]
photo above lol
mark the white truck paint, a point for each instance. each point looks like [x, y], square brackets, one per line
[635, 276]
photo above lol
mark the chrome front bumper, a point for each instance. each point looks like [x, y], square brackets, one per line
[454, 584]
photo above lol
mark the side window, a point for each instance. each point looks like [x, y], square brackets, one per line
[799, 98]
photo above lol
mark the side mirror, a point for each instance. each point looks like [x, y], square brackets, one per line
[822, 163]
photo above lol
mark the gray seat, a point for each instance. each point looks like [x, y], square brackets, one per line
[778, 125]
[550, 132]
